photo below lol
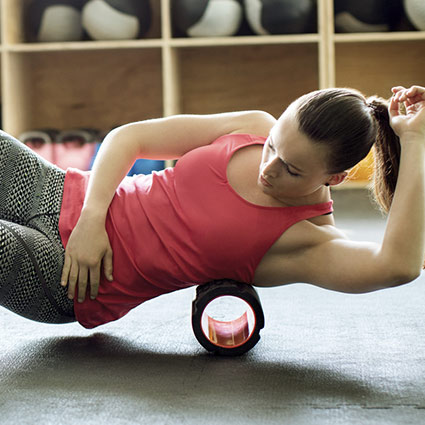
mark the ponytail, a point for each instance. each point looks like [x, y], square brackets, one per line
[386, 155]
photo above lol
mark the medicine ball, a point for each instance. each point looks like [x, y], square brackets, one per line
[117, 19]
[207, 18]
[415, 11]
[279, 16]
[366, 16]
[55, 20]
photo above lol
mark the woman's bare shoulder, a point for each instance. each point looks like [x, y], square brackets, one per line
[260, 123]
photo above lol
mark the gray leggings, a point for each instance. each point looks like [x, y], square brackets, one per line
[31, 251]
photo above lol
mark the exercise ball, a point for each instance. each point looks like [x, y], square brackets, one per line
[280, 16]
[117, 19]
[207, 18]
[415, 11]
[366, 16]
[55, 20]
[146, 166]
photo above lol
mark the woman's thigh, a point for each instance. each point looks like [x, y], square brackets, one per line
[29, 185]
[30, 271]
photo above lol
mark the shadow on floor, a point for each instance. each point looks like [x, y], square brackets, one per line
[101, 363]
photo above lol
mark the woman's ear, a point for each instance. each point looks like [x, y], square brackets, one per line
[336, 179]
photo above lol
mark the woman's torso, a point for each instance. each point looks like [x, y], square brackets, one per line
[202, 220]
[208, 219]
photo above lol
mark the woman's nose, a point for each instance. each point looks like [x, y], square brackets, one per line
[271, 168]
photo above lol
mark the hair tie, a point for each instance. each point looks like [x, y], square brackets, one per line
[378, 109]
[372, 105]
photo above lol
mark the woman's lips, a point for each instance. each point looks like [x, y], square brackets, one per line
[265, 182]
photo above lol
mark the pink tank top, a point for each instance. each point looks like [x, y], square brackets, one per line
[179, 227]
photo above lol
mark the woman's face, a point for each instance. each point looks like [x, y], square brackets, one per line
[292, 166]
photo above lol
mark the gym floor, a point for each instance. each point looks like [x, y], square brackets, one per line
[324, 358]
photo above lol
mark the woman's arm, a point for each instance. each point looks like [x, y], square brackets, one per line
[164, 138]
[331, 261]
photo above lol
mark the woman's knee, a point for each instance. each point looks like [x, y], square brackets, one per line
[30, 267]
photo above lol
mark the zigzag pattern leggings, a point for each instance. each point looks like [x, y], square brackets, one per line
[31, 251]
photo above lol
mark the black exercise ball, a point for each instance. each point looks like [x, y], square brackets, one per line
[117, 19]
[54, 20]
[207, 18]
[280, 16]
[367, 16]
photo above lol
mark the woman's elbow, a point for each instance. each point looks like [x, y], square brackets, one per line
[405, 275]
[411, 275]
[398, 270]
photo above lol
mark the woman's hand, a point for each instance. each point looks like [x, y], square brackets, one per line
[411, 123]
[87, 250]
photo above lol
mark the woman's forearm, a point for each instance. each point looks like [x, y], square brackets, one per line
[404, 240]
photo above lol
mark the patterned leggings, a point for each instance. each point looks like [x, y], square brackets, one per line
[31, 251]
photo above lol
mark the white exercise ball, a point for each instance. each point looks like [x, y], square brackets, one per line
[207, 18]
[55, 20]
[415, 11]
[116, 19]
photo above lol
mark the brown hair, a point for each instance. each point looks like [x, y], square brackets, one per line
[349, 124]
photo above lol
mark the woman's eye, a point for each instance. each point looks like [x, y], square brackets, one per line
[269, 144]
[289, 171]
[292, 174]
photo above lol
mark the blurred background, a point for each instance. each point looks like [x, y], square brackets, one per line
[74, 69]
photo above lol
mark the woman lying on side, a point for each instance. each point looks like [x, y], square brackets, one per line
[248, 200]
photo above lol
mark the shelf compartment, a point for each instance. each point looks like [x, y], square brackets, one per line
[100, 89]
[244, 30]
[375, 67]
[267, 77]
[15, 16]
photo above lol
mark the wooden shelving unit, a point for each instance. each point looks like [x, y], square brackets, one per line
[104, 84]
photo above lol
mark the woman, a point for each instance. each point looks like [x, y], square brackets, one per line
[248, 200]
